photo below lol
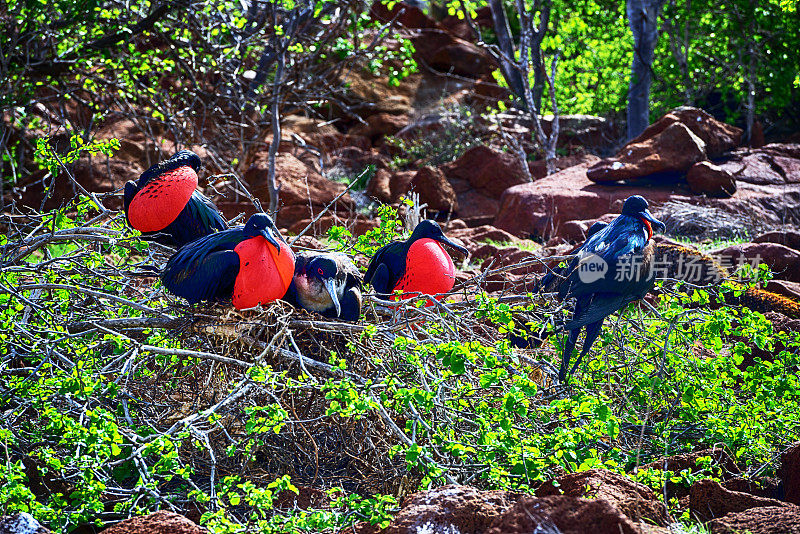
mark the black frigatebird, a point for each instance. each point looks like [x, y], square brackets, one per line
[326, 283]
[250, 265]
[612, 268]
[165, 201]
[416, 265]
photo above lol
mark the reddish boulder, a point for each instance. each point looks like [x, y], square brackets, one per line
[709, 500]
[766, 520]
[538, 168]
[21, 523]
[354, 160]
[475, 238]
[409, 16]
[461, 509]
[784, 261]
[161, 522]
[635, 500]
[564, 514]
[771, 164]
[785, 288]
[486, 170]
[379, 186]
[673, 150]
[688, 460]
[541, 207]
[789, 472]
[785, 237]
[765, 487]
[463, 59]
[718, 136]
[379, 125]
[705, 178]
[301, 187]
[434, 190]
[400, 184]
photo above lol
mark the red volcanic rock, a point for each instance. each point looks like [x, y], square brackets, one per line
[300, 186]
[405, 15]
[570, 515]
[765, 487]
[705, 178]
[463, 59]
[330, 142]
[487, 170]
[635, 500]
[766, 520]
[400, 184]
[709, 500]
[688, 460]
[782, 323]
[789, 472]
[379, 187]
[784, 261]
[673, 150]
[771, 164]
[718, 136]
[354, 160]
[786, 237]
[541, 207]
[434, 190]
[379, 125]
[442, 51]
[458, 27]
[538, 168]
[785, 288]
[461, 509]
[22, 523]
[357, 226]
[161, 522]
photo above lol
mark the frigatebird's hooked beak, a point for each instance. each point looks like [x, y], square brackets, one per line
[331, 287]
[441, 238]
[267, 233]
[651, 222]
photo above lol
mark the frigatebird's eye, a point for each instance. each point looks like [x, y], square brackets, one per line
[319, 270]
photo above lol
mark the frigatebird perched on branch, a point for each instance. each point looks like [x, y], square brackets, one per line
[416, 265]
[165, 201]
[326, 283]
[612, 268]
[250, 265]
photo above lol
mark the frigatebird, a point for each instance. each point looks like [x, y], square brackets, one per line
[612, 268]
[250, 265]
[326, 283]
[165, 202]
[416, 265]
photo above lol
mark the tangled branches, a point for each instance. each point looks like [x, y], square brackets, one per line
[117, 398]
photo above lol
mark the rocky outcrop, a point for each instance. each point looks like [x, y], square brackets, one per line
[448, 509]
[669, 152]
[766, 520]
[564, 514]
[540, 208]
[161, 522]
[302, 189]
[774, 164]
[782, 260]
[789, 472]
[705, 178]
[21, 523]
[636, 501]
[434, 190]
[709, 500]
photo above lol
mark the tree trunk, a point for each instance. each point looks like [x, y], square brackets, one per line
[506, 44]
[643, 20]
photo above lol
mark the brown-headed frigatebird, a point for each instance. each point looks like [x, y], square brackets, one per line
[327, 283]
[612, 268]
[250, 265]
[165, 202]
[416, 265]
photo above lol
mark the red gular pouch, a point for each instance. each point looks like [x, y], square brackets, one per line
[429, 270]
[264, 274]
[159, 203]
